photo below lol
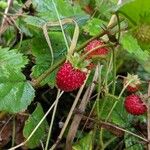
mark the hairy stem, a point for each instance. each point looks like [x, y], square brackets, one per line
[36, 82]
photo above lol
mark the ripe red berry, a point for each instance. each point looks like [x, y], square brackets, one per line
[98, 52]
[135, 83]
[69, 78]
[134, 105]
[131, 88]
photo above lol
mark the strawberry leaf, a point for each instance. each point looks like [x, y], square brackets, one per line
[45, 6]
[135, 10]
[93, 26]
[132, 143]
[135, 51]
[118, 116]
[30, 125]
[16, 92]
[43, 56]
[85, 143]
[12, 58]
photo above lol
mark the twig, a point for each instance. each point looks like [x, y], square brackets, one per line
[148, 117]
[77, 118]
[52, 120]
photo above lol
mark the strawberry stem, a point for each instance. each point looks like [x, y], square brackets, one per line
[94, 49]
[114, 71]
[83, 57]
[36, 82]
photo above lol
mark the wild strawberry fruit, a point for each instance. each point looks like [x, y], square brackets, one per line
[98, 52]
[135, 83]
[134, 105]
[69, 78]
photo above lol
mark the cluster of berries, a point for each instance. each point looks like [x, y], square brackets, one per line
[71, 75]
[134, 104]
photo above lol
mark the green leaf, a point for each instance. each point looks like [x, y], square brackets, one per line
[132, 143]
[46, 10]
[43, 56]
[35, 21]
[30, 125]
[130, 44]
[93, 26]
[135, 10]
[105, 9]
[118, 116]
[85, 143]
[16, 92]
[24, 28]
[12, 58]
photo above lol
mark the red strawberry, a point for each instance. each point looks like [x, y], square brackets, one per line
[98, 52]
[69, 78]
[134, 105]
[133, 89]
[135, 83]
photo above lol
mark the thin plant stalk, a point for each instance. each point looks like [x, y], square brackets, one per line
[48, 42]
[114, 71]
[109, 141]
[94, 49]
[99, 89]
[82, 106]
[53, 117]
[98, 104]
[57, 13]
[108, 116]
[117, 127]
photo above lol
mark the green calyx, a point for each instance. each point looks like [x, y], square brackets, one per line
[77, 62]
